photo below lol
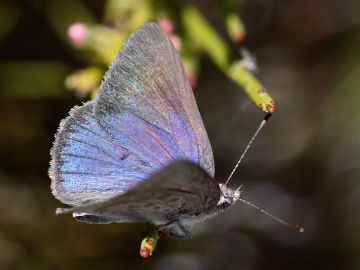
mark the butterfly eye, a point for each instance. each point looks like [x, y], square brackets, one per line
[225, 205]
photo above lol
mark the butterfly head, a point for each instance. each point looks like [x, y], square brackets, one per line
[228, 196]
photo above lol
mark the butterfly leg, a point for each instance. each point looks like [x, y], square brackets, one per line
[166, 225]
[178, 230]
[175, 228]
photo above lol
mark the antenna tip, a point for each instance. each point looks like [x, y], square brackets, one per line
[267, 117]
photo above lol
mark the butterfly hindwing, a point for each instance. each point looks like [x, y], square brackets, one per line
[179, 191]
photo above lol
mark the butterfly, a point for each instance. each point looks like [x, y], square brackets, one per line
[139, 151]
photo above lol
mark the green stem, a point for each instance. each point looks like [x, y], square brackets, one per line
[204, 37]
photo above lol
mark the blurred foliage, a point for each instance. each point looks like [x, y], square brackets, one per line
[9, 16]
[44, 76]
[100, 41]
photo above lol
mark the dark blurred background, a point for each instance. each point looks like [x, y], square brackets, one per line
[304, 166]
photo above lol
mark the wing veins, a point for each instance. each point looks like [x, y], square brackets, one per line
[152, 135]
[156, 139]
[84, 142]
[138, 161]
[152, 88]
[130, 138]
[85, 157]
[175, 60]
[98, 175]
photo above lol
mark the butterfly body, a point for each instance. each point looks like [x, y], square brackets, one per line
[139, 152]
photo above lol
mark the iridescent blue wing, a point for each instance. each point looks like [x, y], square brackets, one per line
[147, 91]
[144, 117]
[87, 163]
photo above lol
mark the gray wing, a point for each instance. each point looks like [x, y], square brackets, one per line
[147, 90]
[144, 117]
[179, 191]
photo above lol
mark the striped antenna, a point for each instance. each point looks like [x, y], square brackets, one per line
[262, 124]
[291, 225]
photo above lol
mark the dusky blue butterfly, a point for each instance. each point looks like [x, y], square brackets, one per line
[139, 152]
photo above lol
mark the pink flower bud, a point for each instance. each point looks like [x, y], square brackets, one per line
[176, 41]
[238, 37]
[192, 78]
[77, 33]
[167, 25]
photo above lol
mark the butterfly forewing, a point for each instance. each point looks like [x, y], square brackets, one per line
[144, 117]
[88, 164]
[147, 90]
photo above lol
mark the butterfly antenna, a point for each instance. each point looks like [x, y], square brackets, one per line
[291, 225]
[262, 124]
